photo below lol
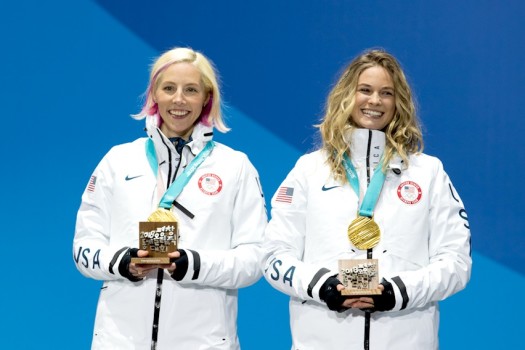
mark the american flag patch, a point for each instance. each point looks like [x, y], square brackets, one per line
[285, 194]
[410, 190]
[91, 183]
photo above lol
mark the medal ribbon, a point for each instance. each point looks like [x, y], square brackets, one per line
[177, 186]
[374, 188]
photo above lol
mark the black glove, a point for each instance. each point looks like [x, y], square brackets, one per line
[331, 296]
[182, 265]
[387, 300]
[123, 267]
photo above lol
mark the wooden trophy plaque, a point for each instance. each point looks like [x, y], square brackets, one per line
[159, 239]
[359, 276]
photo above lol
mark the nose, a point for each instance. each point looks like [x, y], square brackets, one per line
[374, 99]
[178, 97]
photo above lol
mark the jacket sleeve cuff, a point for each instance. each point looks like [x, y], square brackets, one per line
[194, 266]
[317, 281]
[400, 293]
[114, 264]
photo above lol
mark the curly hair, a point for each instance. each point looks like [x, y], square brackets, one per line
[403, 133]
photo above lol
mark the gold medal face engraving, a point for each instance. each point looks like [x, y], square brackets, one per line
[364, 233]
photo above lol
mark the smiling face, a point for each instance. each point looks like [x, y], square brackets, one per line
[374, 106]
[180, 95]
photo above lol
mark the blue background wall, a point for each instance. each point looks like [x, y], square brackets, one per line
[73, 71]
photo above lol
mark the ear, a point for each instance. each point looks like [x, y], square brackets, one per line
[151, 94]
[206, 100]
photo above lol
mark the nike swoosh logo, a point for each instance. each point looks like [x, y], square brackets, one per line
[328, 188]
[132, 177]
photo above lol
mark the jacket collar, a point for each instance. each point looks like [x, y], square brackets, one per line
[358, 140]
[365, 143]
[163, 146]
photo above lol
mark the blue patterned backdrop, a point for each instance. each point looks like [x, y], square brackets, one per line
[73, 71]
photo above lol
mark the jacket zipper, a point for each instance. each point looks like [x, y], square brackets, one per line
[160, 272]
[369, 251]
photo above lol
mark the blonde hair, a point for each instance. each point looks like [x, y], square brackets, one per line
[211, 114]
[403, 133]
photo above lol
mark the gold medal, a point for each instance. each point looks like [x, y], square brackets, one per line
[364, 233]
[162, 215]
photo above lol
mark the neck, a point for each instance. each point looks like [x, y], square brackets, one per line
[170, 134]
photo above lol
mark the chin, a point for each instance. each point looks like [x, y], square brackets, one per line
[371, 127]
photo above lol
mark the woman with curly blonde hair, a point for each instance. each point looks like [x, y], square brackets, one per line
[368, 198]
[403, 134]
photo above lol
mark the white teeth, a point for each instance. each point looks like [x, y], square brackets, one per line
[178, 113]
[372, 113]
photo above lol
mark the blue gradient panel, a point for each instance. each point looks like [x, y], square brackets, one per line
[463, 58]
[73, 72]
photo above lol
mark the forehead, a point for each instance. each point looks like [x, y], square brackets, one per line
[181, 73]
[376, 76]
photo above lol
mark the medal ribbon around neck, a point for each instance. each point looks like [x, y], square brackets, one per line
[163, 213]
[363, 232]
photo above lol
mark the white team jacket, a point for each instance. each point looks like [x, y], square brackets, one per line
[222, 218]
[424, 249]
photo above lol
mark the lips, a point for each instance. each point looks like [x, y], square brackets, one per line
[178, 113]
[371, 113]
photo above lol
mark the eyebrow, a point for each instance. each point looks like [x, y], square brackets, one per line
[185, 85]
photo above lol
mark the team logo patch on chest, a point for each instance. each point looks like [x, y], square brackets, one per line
[409, 192]
[210, 184]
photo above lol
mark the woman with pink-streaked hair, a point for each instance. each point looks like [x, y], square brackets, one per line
[209, 190]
